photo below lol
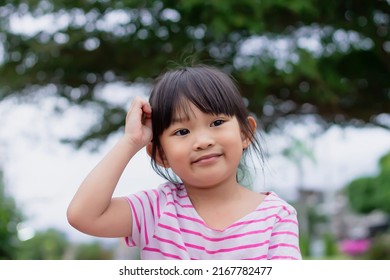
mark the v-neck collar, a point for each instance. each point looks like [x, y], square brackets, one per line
[196, 215]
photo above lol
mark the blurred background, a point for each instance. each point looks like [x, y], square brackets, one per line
[316, 74]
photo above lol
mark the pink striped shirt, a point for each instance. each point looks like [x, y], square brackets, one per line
[166, 226]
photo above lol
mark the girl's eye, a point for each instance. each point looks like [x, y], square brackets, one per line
[182, 132]
[217, 122]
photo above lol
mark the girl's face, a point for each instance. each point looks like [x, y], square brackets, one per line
[204, 150]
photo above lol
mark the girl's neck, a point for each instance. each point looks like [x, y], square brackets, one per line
[221, 206]
[213, 195]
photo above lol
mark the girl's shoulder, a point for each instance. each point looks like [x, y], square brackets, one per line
[169, 188]
[166, 192]
[275, 203]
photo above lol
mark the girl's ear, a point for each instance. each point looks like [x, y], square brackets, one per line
[160, 157]
[253, 125]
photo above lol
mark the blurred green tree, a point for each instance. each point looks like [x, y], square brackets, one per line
[370, 193]
[93, 251]
[290, 58]
[50, 244]
[10, 217]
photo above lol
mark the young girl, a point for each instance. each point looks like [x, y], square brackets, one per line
[196, 128]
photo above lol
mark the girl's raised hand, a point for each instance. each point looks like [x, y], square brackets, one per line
[138, 129]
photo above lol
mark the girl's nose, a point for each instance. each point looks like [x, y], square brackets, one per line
[203, 141]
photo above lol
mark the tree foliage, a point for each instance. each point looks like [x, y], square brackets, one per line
[10, 216]
[93, 251]
[50, 244]
[371, 193]
[290, 58]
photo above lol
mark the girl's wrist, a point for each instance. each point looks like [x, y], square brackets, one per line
[130, 145]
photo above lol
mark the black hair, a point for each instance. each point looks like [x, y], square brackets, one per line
[209, 89]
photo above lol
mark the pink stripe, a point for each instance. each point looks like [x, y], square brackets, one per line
[169, 193]
[175, 191]
[262, 257]
[164, 240]
[233, 225]
[273, 207]
[226, 237]
[175, 202]
[283, 258]
[286, 209]
[150, 203]
[135, 214]
[184, 205]
[192, 219]
[285, 232]
[256, 220]
[283, 245]
[170, 214]
[288, 221]
[167, 187]
[183, 217]
[161, 252]
[169, 228]
[267, 208]
[243, 247]
[194, 246]
[158, 203]
[228, 249]
[128, 243]
[144, 224]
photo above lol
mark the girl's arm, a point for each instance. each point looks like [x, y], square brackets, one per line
[284, 242]
[92, 209]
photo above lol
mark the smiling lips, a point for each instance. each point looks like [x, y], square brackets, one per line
[207, 158]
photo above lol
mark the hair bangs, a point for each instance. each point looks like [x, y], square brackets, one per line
[211, 95]
[210, 92]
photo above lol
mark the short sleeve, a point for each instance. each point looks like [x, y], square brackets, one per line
[145, 212]
[284, 241]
